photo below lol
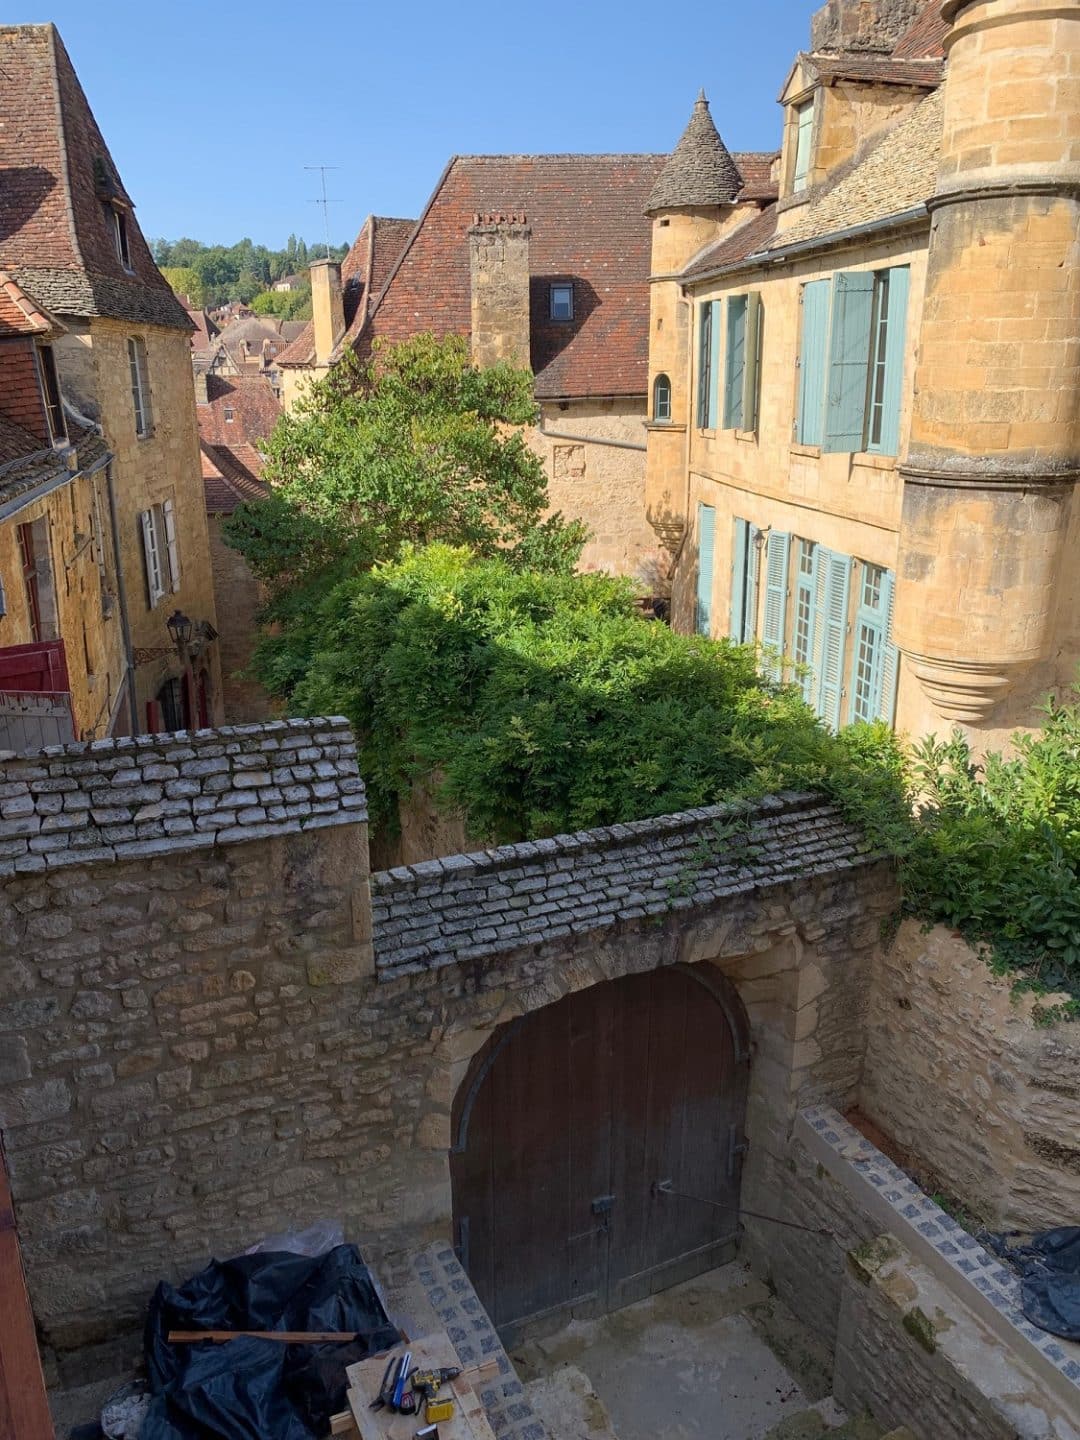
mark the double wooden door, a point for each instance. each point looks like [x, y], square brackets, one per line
[573, 1129]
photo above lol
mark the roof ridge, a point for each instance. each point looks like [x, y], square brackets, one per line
[52, 39]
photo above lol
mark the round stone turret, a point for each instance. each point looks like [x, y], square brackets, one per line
[700, 170]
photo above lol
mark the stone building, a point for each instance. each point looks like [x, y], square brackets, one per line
[63, 662]
[866, 425]
[71, 242]
[543, 260]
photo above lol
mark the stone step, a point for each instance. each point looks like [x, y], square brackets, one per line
[810, 1425]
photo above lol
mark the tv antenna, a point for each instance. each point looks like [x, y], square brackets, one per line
[325, 202]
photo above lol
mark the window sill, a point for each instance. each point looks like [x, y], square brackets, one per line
[144, 434]
[812, 451]
[662, 425]
[874, 460]
[748, 437]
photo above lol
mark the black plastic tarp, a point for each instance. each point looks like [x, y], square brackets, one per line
[250, 1389]
[1049, 1269]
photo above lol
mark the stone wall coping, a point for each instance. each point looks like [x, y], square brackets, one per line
[987, 1287]
[463, 907]
[130, 797]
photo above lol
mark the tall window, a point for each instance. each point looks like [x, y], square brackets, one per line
[705, 326]
[804, 626]
[745, 558]
[741, 361]
[804, 142]
[140, 386]
[50, 385]
[562, 301]
[851, 360]
[33, 539]
[161, 551]
[120, 234]
[706, 556]
[661, 408]
[873, 662]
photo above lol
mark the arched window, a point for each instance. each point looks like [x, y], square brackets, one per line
[661, 398]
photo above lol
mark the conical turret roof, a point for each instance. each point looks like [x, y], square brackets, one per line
[700, 170]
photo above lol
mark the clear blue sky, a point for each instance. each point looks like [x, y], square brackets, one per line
[212, 110]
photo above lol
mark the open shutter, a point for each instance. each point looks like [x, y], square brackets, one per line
[751, 361]
[735, 367]
[777, 550]
[834, 580]
[899, 284]
[706, 539]
[739, 546]
[815, 325]
[804, 638]
[714, 364]
[171, 545]
[704, 354]
[849, 360]
[154, 587]
[890, 656]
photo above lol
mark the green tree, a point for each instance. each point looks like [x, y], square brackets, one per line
[285, 304]
[184, 280]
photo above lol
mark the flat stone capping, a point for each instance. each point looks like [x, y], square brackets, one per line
[465, 906]
[143, 795]
[987, 1287]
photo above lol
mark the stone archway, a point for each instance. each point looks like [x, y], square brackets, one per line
[568, 1120]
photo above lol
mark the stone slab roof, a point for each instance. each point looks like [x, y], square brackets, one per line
[700, 170]
[59, 180]
[152, 794]
[919, 73]
[464, 906]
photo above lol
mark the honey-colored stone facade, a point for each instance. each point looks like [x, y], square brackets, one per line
[163, 465]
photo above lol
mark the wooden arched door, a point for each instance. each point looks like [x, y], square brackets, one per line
[570, 1120]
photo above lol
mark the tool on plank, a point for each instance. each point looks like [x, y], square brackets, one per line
[428, 1432]
[428, 1383]
[386, 1389]
[399, 1383]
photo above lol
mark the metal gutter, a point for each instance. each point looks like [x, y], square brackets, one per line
[590, 439]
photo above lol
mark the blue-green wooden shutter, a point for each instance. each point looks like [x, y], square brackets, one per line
[704, 352]
[849, 360]
[899, 283]
[834, 577]
[735, 362]
[706, 538]
[890, 656]
[752, 361]
[753, 560]
[740, 540]
[776, 583]
[714, 364]
[815, 325]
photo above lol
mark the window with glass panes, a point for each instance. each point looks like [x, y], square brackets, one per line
[871, 661]
[804, 627]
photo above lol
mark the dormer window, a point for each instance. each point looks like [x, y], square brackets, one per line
[120, 232]
[230, 414]
[50, 387]
[562, 301]
[804, 143]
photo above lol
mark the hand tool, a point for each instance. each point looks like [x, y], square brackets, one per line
[399, 1383]
[387, 1386]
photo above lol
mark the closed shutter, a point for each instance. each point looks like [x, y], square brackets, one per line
[834, 581]
[735, 367]
[714, 364]
[849, 360]
[890, 657]
[815, 325]
[776, 584]
[706, 539]
[169, 516]
[151, 555]
[704, 354]
[752, 361]
[899, 284]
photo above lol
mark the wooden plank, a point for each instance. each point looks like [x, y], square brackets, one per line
[285, 1337]
[431, 1353]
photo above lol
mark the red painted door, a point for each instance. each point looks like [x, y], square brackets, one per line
[24, 1409]
[569, 1122]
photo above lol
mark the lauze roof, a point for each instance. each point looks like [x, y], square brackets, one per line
[57, 234]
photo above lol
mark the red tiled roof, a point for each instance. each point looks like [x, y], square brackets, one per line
[926, 36]
[254, 406]
[756, 169]
[231, 475]
[878, 69]
[18, 313]
[747, 240]
[21, 402]
[55, 219]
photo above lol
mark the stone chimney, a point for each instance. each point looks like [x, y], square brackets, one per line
[327, 308]
[866, 25]
[201, 397]
[499, 277]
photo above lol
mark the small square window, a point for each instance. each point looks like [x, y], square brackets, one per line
[562, 302]
[230, 414]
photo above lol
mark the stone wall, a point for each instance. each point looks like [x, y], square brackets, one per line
[239, 597]
[957, 1073]
[197, 1049]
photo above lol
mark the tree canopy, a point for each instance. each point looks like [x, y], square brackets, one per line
[236, 272]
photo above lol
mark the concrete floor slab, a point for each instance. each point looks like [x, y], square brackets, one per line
[687, 1364]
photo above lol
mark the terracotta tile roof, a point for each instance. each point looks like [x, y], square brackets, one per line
[231, 475]
[21, 400]
[756, 169]
[205, 331]
[747, 240]
[252, 403]
[897, 173]
[700, 170]
[926, 36]
[18, 313]
[364, 273]
[923, 74]
[58, 232]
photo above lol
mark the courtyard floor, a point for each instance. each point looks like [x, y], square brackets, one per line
[717, 1358]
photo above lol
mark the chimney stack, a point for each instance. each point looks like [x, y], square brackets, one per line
[327, 308]
[499, 275]
[201, 397]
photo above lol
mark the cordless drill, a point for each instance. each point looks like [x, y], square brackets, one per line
[428, 1383]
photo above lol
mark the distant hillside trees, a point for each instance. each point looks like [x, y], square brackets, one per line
[232, 272]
